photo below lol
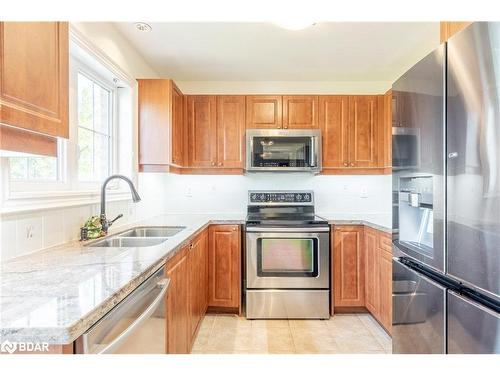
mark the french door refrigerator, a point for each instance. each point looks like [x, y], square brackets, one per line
[446, 242]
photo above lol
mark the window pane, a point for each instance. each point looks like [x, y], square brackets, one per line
[36, 168]
[18, 168]
[101, 157]
[85, 155]
[85, 102]
[101, 110]
[42, 168]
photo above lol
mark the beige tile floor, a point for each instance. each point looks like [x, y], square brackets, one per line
[342, 334]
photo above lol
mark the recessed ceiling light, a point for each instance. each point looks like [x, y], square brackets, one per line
[295, 24]
[143, 26]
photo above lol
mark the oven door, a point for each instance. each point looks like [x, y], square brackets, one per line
[282, 258]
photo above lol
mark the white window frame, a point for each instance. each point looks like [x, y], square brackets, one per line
[67, 191]
[78, 67]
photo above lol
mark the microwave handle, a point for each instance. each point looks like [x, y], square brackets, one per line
[314, 144]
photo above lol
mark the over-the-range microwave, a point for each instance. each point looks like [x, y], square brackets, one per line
[283, 151]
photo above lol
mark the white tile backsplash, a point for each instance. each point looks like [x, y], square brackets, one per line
[24, 233]
[354, 196]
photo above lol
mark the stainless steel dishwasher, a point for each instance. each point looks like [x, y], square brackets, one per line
[136, 325]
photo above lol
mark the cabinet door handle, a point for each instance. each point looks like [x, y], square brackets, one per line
[234, 229]
[220, 164]
[346, 164]
[191, 246]
[279, 127]
[352, 164]
[213, 164]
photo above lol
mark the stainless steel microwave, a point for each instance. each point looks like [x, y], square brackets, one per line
[283, 151]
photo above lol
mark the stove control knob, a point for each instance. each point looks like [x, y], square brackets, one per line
[298, 197]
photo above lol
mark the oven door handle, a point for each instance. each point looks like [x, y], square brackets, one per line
[288, 230]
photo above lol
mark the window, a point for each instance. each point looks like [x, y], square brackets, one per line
[34, 168]
[101, 98]
[95, 140]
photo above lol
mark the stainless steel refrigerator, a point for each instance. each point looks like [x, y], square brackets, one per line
[446, 198]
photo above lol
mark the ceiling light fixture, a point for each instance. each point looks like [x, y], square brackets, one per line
[143, 26]
[295, 24]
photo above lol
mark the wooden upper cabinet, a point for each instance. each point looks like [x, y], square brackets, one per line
[224, 266]
[264, 112]
[363, 131]
[230, 131]
[333, 119]
[448, 29]
[178, 128]
[372, 271]
[300, 112]
[161, 125]
[348, 266]
[34, 61]
[202, 131]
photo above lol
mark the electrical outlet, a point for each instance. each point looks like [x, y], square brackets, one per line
[30, 229]
[189, 192]
[364, 192]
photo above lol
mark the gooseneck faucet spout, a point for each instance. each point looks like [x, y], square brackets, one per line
[105, 223]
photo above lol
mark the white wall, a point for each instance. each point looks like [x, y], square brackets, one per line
[55, 226]
[337, 195]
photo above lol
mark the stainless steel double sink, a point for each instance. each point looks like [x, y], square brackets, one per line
[138, 237]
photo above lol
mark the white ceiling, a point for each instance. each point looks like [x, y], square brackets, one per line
[345, 51]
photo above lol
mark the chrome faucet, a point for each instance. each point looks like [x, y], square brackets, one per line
[105, 223]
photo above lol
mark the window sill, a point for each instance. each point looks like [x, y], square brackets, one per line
[25, 202]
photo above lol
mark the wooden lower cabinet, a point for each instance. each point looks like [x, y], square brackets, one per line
[193, 284]
[198, 282]
[362, 271]
[177, 271]
[371, 271]
[348, 266]
[225, 267]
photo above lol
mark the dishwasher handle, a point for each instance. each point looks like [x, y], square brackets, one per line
[112, 346]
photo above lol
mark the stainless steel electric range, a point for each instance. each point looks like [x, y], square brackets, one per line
[287, 257]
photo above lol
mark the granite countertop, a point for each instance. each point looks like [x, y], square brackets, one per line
[57, 294]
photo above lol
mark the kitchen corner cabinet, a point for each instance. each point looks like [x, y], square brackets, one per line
[225, 267]
[198, 282]
[161, 125]
[448, 29]
[177, 308]
[34, 62]
[372, 268]
[348, 266]
[264, 112]
[385, 281]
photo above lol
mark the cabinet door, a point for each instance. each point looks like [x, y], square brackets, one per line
[202, 131]
[177, 304]
[154, 116]
[34, 62]
[177, 126]
[198, 282]
[230, 131]
[225, 266]
[300, 112]
[371, 271]
[333, 118]
[363, 132]
[263, 112]
[385, 282]
[348, 266]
